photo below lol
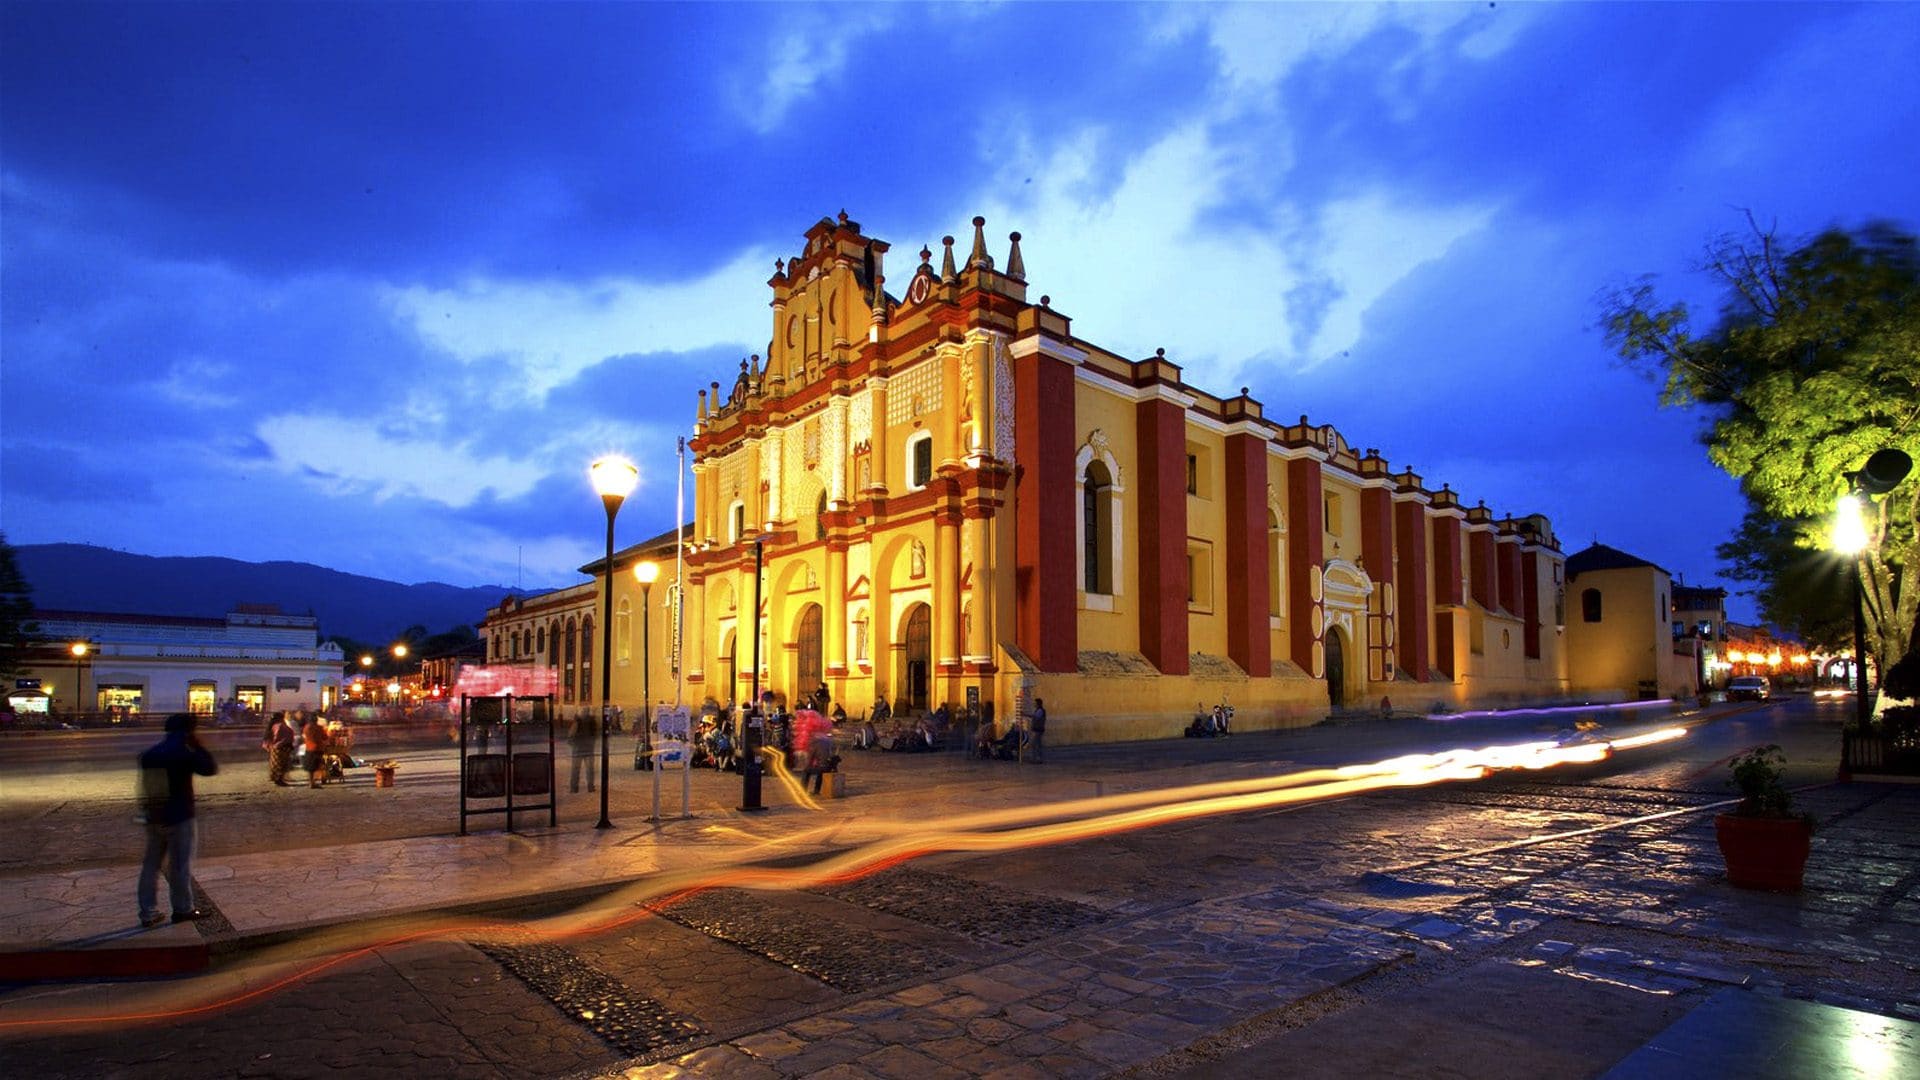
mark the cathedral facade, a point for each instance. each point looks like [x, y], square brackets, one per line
[942, 494]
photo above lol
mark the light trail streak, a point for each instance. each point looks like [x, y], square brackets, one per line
[279, 968]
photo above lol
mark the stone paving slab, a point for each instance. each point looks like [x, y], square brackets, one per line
[1735, 1033]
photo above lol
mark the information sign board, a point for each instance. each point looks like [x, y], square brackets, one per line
[673, 729]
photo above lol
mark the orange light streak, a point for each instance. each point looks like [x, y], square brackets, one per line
[276, 969]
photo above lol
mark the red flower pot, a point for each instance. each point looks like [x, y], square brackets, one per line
[1764, 853]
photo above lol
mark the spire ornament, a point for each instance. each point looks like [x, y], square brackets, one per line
[978, 257]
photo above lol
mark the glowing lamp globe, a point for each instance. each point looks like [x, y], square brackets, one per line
[614, 477]
[1849, 527]
[647, 572]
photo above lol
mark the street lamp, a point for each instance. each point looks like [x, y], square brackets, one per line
[614, 478]
[1881, 474]
[646, 573]
[79, 650]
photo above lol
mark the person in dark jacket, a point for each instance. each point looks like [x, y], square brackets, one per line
[167, 770]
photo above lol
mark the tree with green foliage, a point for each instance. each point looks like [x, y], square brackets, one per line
[1811, 364]
[17, 628]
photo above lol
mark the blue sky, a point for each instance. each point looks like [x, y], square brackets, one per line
[368, 285]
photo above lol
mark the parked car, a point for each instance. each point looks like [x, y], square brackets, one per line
[1749, 688]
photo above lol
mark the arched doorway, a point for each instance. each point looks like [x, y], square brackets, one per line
[809, 672]
[918, 640]
[730, 668]
[1336, 669]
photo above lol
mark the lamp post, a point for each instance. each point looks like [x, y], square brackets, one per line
[614, 478]
[646, 573]
[79, 650]
[752, 723]
[1881, 474]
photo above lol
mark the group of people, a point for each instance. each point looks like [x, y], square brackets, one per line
[1208, 724]
[324, 747]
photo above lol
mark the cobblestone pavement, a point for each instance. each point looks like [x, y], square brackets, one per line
[1406, 933]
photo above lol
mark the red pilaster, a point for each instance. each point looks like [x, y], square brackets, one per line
[1485, 573]
[1508, 551]
[1249, 643]
[1376, 556]
[1530, 600]
[1306, 522]
[1414, 615]
[1162, 433]
[1045, 625]
[1446, 561]
[1447, 592]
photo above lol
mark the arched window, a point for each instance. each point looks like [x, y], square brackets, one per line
[567, 664]
[623, 630]
[820, 518]
[1276, 566]
[553, 645]
[540, 642]
[586, 659]
[920, 460]
[1096, 507]
[736, 521]
[1590, 605]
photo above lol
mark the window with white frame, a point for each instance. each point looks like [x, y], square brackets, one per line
[920, 460]
[736, 521]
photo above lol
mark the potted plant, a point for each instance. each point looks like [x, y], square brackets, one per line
[1764, 842]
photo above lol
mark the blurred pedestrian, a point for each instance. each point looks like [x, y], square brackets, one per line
[167, 770]
[813, 735]
[279, 747]
[313, 746]
[581, 739]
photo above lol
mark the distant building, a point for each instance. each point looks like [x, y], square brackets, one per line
[556, 630]
[1700, 624]
[440, 672]
[255, 657]
[1620, 628]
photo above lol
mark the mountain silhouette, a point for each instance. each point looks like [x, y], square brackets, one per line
[81, 577]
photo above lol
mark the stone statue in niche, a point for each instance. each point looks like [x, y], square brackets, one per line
[917, 560]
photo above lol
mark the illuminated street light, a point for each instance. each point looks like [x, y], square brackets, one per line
[366, 661]
[400, 651]
[79, 650]
[1881, 474]
[647, 572]
[614, 478]
[1849, 526]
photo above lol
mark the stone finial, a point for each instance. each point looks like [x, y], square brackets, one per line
[1046, 301]
[947, 272]
[1159, 354]
[926, 256]
[1016, 266]
[703, 404]
[843, 216]
[1243, 391]
[779, 268]
[978, 257]
[754, 371]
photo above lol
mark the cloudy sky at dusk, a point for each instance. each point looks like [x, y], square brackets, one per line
[367, 285]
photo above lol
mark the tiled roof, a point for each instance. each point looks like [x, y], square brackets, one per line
[1602, 557]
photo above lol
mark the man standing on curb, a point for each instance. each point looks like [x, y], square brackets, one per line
[1037, 728]
[167, 770]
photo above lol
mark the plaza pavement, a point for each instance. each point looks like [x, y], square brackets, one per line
[1116, 998]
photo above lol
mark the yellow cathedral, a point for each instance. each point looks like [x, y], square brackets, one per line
[945, 492]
